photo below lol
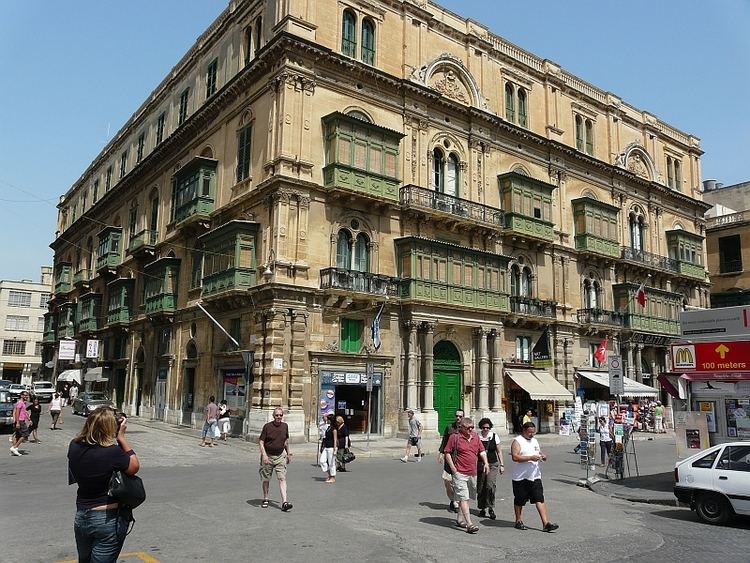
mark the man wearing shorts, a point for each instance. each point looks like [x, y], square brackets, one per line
[447, 477]
[274, 456]
[21, 419]
[527, 477]
[415, 436]
[462, 452]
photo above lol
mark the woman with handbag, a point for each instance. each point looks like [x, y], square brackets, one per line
[224, 421]
[487, 482]
[100, 449]
[342, 434]
[330, 447]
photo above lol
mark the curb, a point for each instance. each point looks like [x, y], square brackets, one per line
[591, 483]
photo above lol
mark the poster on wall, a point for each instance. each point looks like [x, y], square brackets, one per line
[234, 392]
[708, 408]
[738, 418]
[691, 431]
[327, 400]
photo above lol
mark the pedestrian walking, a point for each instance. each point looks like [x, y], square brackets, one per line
[606, 430]
[659, 418]
[21, 420]
[462, 452]
[527, 477]
[73, 392]
[415, 437]
[224, 420]
[35, 411]
[55, 408]
[487, 481]
[99, 449]
[330, 447]
[65, 395]
[274, 457]
[447, 475]
[342, 436]
[209, 423]
[528, 417]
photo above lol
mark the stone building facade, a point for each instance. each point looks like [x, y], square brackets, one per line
[310, 165]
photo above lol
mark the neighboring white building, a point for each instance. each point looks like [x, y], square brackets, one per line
[22, 308]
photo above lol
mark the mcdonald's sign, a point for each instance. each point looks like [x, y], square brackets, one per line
[719, 356]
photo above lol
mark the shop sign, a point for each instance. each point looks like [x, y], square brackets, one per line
[616, 381]
[712, 356]
[349, 378]
[650, 339]
[725, 321]
[67, 350]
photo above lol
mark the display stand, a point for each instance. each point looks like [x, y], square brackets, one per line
[587, 445]
[619, 461]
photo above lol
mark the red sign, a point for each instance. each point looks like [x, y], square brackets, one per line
[712, 356]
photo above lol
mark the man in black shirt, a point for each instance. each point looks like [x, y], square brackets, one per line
[447, 476]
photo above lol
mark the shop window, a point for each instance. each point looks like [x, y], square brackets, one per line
[351, 335]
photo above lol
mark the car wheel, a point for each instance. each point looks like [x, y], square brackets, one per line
[713, 508]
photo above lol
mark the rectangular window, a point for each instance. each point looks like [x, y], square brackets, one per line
[211, 78]
[234, 328]
[182, 116]
[248, 44]
[730, 254]
[141, 146]
[160, 127]
[95, 191]
[351, 335]
[40, 324]
[133, 223]
[44, 300]
[84, 200]
[196, 272]
[14, 347]
[19, 298]
[523, 347]
[108, 179]
[123, 163]
[16, 322]
[243, 153]
[593, 362]
[38, 348]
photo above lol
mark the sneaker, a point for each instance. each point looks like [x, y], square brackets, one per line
[520, 526]
[14, 451]
[419, 459]
[482, 514]
[404, 459]
[550, 527]
[492, 514]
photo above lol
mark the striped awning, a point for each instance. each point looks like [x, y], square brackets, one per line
[540, 385]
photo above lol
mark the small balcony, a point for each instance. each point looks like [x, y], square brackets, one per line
[451, 207]
[120, 296]
[597, 245]
[50, 323]
[161, 286]
[161, 303]
[454, 295]
[119, 315]
[651, 324]
[66, 321]
[81, 278]
[357, 282]
[525, 226]
[691, 270]
[649, 260]
[228, 280]
[108, 250]
[599, 317]
[62, 279]
[533, 307]
[143, 242]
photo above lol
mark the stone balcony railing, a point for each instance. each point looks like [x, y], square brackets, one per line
[730, 219]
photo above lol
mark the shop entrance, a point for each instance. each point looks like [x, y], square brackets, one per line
[351, 403]
[447, 382]
[188, 383]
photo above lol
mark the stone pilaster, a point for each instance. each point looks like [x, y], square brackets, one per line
[639, 363]
[428, 367]
[411, 366]
[484, 369]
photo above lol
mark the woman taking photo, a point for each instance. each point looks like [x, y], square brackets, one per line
[101, 524]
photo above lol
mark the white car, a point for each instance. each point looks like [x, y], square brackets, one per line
[44, 390]
[715, 482]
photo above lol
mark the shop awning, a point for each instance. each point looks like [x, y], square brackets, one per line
[95, 374]
[667, 385]
[70, 375]
[540, 385]
[631, 387]
[726, 376]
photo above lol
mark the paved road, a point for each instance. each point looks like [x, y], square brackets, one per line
[203, 504]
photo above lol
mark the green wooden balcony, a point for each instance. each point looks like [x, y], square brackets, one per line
[660, 314]
[338, 175]
[81, 278]
[229, 262]
[161, 303]
[89, 308]
[63, 279]
[524, 225]
[108, 250]
[118, 316]
[198, 206]
[691, 270]
[143, 241]
[454, 295]
[66, 317]
[50, 324]
[161, 286]
[228, 280]
[651, 324]
[597, 245]
[194, 189]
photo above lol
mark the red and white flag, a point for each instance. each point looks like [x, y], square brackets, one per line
[600, 355]
[640, 295]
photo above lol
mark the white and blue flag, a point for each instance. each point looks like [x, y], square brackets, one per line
[376, 328]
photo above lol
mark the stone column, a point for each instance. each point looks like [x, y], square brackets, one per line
[639, 363]
[484, 369]
[427, 365]
[497, 389]
[629, 352]
[411, 366]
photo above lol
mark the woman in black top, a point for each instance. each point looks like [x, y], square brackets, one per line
[101, 524]
[35, 410]
[330, 447]
[342, 434]
[486, 484]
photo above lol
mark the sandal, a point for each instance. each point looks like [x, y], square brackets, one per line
[472, 529]
[286, 507]
[460, 525]
[264, 504]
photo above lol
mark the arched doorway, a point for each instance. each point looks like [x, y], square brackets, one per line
[447, 382]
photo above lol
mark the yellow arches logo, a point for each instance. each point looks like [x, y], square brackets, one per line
[684, 356]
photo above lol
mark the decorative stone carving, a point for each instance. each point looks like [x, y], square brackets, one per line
[636, 166]
[450, 87]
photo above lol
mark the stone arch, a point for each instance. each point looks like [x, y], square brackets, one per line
[247, 117]
[448, 143]
[589, 193]
[520, 169]
[360, 113]
[448, 75]
[207, 151]
[140, 355]
[677, 226]
[636, 159]
[355, 224]
[191, 350]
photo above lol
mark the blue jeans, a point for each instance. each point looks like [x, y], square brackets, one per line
[100, 534]
[209, 429]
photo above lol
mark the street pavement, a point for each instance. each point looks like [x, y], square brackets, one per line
[204, 503]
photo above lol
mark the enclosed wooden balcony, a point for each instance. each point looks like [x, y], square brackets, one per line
[143, 243]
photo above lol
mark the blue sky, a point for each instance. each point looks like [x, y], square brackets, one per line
[74, 72]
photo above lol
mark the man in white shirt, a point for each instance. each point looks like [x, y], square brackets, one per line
[415, 436]
[527, 477]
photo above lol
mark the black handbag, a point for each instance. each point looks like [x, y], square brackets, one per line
[126, 489]
[348, 456]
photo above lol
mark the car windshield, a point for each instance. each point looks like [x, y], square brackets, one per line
[96, 397]
[43, 385]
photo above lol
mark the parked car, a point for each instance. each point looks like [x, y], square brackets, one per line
[15, 390]
[5, 383]
[44, 390]
[90, 401]
[6, 409]
[715, 482]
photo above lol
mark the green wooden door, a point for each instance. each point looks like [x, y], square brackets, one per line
[447, 382]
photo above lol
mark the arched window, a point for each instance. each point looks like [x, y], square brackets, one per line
[522, 117]
[438, 163]
[677, 175]
[451, 176]
[592, 294]
[343, 250]
[349, 34]
[368, 42]
[510, 106]
[636, 232]
[579, 133]
[445, 172]
[589, 137]
[520, 281]
[353, 253]
[153, 224]
[362, 253]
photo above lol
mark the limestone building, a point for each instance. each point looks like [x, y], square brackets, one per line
[310, 164]
[23, 304]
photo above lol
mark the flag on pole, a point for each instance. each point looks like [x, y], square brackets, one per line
[375, 328]
[540, 355]
[600, 355]
[640, 295]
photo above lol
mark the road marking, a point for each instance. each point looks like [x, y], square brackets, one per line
[140, 555]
